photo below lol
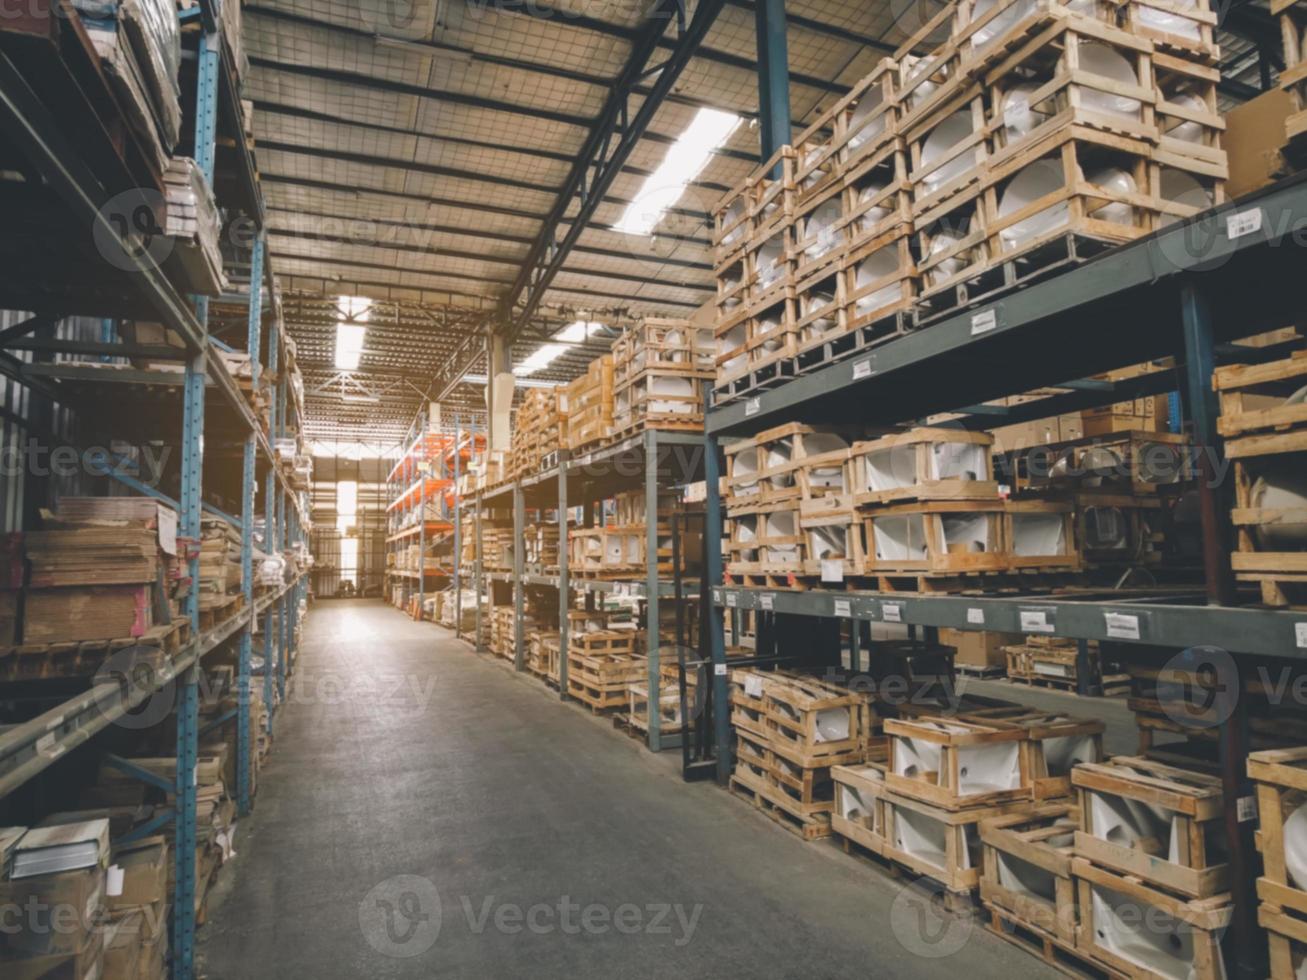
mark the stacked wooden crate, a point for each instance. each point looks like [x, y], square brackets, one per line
[659, 369]
[619, 548]
[1264, 421]
[1050, 661]
[1280, 777]
[590, 405]
[540, 542]
[933, 513]
[790, 730]
[601, 665]
[812, 252]
[1293, 78]
[538, 430]
[1151, 876]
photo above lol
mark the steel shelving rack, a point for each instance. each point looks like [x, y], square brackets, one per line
[1184, 291]
[423, 472]
[34, 127]
[653, 461]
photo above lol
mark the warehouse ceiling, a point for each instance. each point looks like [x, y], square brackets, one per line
[414, 160]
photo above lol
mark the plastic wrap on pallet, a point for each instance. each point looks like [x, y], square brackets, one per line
[154, 35]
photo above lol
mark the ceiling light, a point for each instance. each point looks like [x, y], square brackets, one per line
[480, 379]
[538, 359]
[364, 399]
[354, 308]
[685, 160]
[579, 331]
[349, 345]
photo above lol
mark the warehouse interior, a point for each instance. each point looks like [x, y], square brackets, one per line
[724, 487]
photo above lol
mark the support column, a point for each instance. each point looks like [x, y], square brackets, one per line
[564, 584]
[478, 578]
[458, 529]
[653, 632]
[712, 621]
[519, 590]
[773, 77]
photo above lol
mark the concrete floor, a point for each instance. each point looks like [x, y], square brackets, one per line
[426, 812]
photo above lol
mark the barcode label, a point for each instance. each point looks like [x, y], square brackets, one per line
[842, 607]
[892, 612]
[767, 600]
[719, 670]
[862, 369]
[976, 617]
[1300, 632]
[1243, 223]
[752, 685]
[1122, 626]
[1245, 808]
[730, 599]
[832, 570]
[983, 322]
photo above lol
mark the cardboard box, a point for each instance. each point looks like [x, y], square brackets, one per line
[978, 648]
[1254, 141]
[145, 874]
[85, 965]
[59, 918]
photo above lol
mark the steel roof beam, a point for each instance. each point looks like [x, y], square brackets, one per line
[601, 156]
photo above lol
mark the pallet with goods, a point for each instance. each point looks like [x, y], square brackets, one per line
[1026, 872]
[601, 666]
[1264, 422]
[590, 405]
[792, 729]
[1050, 661]
[660, 368]
[538, 430]
[1281, 791]
[1293, 79]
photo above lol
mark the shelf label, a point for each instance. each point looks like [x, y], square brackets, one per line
[768, 601]
[719, 670]
[1243, 223]
[843, 608]
[892, 612]
[731, 599]
[1300, 633]
[716, 595]
[1121, 626]
[752, 685]
[862, 369]
[1245, 808]
[976, 617]
[752, 406]
[983, 322]
[1035, 621]
[832, 570]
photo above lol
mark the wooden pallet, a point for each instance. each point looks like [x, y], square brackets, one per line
[774, 805]
[1056, 953]
[50, 661]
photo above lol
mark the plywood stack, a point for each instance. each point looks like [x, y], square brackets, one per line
[1264, 421]
[1151, 876]
[1280, 777]
[660, 368]
[790, 730]
[590, 405]
[95, 578]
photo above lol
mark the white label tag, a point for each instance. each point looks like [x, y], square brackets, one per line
[752, 685]
[862, 369]
[892, 612]
[731, 599]
[719, 670]
[983, 322]
[716, 595]
[1245, 808]
[843, 608]
[1243, 223]
[1035, 621]
[768, 601]
[752, 406]
[1122, 626]
[832, 570]
[113, 881]
[1300, 633]
[976, 617]
[195, 775]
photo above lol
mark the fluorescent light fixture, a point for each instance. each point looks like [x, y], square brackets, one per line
[684, 161]
[356, 308]
[520, 382]
[361, 399]
[349, 345]
[539, 359]
[579, 331]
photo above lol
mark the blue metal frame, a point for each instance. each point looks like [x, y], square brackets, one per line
[773, 77]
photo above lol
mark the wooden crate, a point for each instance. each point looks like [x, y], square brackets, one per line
[1287, 937]
[857, 813]
[1293, 20]
[1186, 822]
[769, 264]
[833, 548]
[1188, 31]
[878, 195]
[938, 760]
[660, 399]
[954, 244]
[936, 537]
[1256, 417]
[1280, 776]
[879, 278]
[600, 668]
[923, 464]
[1188, 930]
[1191, 128]
[670, 346]
[939, 174]
[669, 708]
[812, 723]
[1040, 534]
[820, 237]
[1027, 868]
